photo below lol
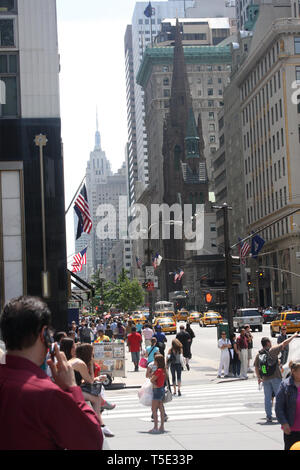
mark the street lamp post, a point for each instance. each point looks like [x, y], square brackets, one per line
[41, 141]
[228, 264]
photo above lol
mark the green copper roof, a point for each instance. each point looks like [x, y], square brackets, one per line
[193, 55]
[192, 131]
[252, 15]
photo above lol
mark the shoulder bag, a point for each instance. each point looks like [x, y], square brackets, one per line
[168, 393]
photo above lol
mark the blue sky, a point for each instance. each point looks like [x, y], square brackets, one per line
[91, 46]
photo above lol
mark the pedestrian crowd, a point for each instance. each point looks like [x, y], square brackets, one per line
[235, 361]
[59, 369]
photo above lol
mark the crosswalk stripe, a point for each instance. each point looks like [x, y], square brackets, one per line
[187, 393]
[195, 403]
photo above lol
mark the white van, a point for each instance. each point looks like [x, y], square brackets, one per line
[248, 316]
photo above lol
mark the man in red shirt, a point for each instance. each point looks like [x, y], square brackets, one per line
[37, 413]
[134, 341]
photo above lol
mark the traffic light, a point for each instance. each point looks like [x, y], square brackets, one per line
[208, 298]
[260, 274]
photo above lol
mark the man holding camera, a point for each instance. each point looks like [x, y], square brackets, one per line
[37, 413]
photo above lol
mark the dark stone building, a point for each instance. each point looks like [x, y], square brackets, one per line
[185, 175]
[29, 106]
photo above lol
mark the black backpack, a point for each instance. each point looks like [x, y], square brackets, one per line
[266, 365]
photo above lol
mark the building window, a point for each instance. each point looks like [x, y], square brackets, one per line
[7, 6]
[297, 70]
[297, 45]
[8, 85]
[7, 38]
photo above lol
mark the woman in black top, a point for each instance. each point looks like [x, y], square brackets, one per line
[81, 359]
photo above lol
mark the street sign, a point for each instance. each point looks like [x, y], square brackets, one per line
[149, 273]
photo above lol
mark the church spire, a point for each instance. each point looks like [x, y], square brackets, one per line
[181, 101]
[97, 135]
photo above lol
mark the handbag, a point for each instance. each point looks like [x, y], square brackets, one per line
[143, 363]
[168, 394]
[93, 389]
[145, 393]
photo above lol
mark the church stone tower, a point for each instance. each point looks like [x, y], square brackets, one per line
[185, 175]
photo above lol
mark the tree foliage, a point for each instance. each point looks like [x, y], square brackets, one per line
[125, 295]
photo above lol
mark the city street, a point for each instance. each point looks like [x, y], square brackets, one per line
[211, 414]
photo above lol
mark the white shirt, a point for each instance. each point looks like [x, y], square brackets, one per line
[222, 342]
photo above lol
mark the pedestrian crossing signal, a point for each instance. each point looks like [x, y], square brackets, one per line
[208, 298]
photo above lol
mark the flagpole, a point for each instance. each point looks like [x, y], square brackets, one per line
[264, 228]
[151, 30]
[75, 195]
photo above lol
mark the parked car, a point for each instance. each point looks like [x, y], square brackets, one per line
[248, 316]
[269, 314]
[290, 319]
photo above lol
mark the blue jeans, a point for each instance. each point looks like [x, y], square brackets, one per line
[270, 386]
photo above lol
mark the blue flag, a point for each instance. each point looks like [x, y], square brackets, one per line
[256, 245]
[149, 11]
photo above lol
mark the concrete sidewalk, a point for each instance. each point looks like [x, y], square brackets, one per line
[201, 370]
[235, 432]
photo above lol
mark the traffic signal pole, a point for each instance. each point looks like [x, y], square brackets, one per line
[228, 265]
[150, 293]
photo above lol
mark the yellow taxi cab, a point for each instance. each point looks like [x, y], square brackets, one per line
[165, 313]
[168, 324]
[182, 315]
[137, 316]
[194, 317]
[210, 318]
[290, 319]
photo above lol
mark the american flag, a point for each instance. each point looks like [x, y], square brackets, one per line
[181, 273]
[139, 262]
[244, 249]
[78, 261]
[178, 275]
[82, 210]
[156, 260]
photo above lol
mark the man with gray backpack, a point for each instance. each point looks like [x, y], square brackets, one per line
[268, 371]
